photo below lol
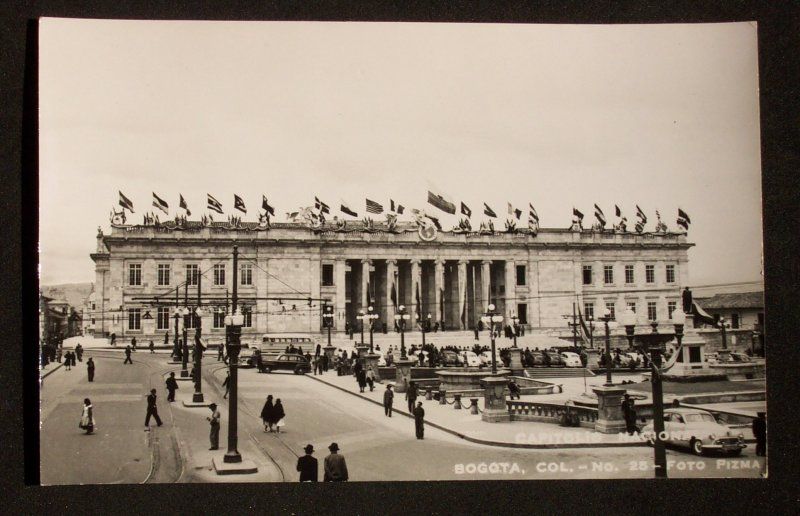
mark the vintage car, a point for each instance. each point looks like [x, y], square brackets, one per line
[285, 362]
[571, 359]
[249, 357]
[449, 358]
[470, 359]
[555, 358]
[698, 430]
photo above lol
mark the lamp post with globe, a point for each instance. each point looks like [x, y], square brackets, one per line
[491, 318]
[401, 317]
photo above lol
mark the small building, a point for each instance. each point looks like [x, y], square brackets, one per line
[741, 310]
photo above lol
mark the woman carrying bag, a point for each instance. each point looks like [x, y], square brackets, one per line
[87, 418]
[279, 415]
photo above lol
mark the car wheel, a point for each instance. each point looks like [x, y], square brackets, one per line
[697, 446]
[267, 370]
[298, 371]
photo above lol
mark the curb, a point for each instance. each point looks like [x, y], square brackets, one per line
[48, 373]
[500, 444]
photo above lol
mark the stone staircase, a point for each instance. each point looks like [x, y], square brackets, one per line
[558, 372]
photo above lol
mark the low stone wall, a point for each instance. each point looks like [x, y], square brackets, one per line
[550, 412]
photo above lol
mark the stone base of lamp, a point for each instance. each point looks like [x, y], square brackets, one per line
[495, 409]
[371, 362]
[592, 358]
[233, 468]
[196, 404]
[515, 365]
[403, 374]
[609, 409]
[184, 373]
[362, 350]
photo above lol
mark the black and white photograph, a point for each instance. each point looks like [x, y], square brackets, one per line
[284, 251]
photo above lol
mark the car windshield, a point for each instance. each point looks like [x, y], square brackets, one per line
[699, 418]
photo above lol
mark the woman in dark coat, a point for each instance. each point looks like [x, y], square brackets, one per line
[361, 376]
[266, 414]
[277, 414]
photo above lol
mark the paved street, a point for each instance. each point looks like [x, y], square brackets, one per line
[376, 447]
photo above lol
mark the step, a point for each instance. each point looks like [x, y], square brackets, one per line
[558, 372]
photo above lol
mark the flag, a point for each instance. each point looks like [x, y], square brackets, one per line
[640, 214]
[702, 316]
[125, 203]
[435, 222]
[488, 211]
[532, 215]
[213, 204]
[321, 206]
[374, 207]
[583, 328]
[238, 204]
[440, 202]
[400, 209]
[418, 309]
[682, 214]
[599, 215]
[344, 208]
[394, 294]
[617, 211]
[266, 207]
[464, 311]
[682, 223]
[184, 205]
[160, 203]
[465, 210]
[518, 213]
[576, 213]
[441, 307]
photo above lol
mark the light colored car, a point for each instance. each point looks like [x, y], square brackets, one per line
[470, 359]
[698, 430]
[571, 359]
[486, 358]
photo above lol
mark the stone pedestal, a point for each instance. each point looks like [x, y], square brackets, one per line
[362, 351]
[403, 378]
[592, 358]
[494, 407]
[609, 409]
[516, 361]
[329, 351]
[371, 362]
[238, 468]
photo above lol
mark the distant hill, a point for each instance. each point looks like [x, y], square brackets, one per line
[75, 294]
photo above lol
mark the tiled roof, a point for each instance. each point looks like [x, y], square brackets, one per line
[737, 300]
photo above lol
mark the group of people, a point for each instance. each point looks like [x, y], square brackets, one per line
[364, 376]
[507, 331]
[335, 466]
[272, 415]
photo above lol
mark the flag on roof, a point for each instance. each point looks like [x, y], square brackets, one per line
[465, 210]
[374, 207]
[683, 219]
[488, 211]
[599, 215]
[617, 211]
[238, 204]
[183, 205]
[160, 203]
[344, 208]
[532, 215]
[441, 203]
[517, 213]
[266, 207]
[577, 213]
[321, 206]
[213, 204]
[640, 214]
[125, 203]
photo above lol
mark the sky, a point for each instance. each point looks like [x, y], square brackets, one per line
[663, 116]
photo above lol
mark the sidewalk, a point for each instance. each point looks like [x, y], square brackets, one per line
[516, 434]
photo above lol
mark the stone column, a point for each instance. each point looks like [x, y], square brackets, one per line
[494, 391]
[340, 301]
[366, 265]
[403, 374]
[391, 268]
[462, 290]
[486, 272]
[416, 271]
[609, 409]
[438, 281]
[511, 290]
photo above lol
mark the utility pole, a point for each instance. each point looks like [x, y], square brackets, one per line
[175, 349]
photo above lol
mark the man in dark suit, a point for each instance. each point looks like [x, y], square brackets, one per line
[388, 399]
[419, 420]
[411, 396]
[152, 410]
[307, 466]
[335, 466]
[172, 386]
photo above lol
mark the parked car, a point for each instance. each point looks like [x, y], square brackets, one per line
[631, 357]
[470, 359]
[698, 430]
[571, 359]
[555, 358]
[449, 358]
[249, 357]
[285, 362]
[538, 357]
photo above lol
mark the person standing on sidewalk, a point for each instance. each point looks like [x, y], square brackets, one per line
[419, 420]
[388, 399]
[152, 409]
[172, 386]
[87, 417]
[152, 348]
[90, 369]
[371, 379]
[79, 352]
[127, 355]
[214, 423]
[411, 396]
[67, 361]
[335, 466]
[308, 466]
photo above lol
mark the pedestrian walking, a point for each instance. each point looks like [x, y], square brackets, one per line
[227, 384]
[388, 399]
[514, 389]
[172, 386]
[152, 409]
[361, 377]
[220, 354]
[760, 433]
[67, 361]
[87, 417]
[127, 355]
[278, 415]
[133, 343]
[308, 466]
[113, 339]
[214, 423]
[411, 396]
[629, 414]
[371, 379]
[90, 369]
[152, 348]
[318, 352]
[266, 414]
[335, 466]
[79, 352]
[419, 420]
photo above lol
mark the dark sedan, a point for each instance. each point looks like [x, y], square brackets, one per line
[285, 362]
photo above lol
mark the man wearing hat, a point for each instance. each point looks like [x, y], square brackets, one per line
[335, 466]
[388, 399]
[214, 421]
[760, 433]
[419, 420]
[307, 466]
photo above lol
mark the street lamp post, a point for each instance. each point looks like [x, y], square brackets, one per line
[185, 351]
[327, 321]
[234, 325]
[371, 317]
[606, 318]
[721, 326]
[400, 318]
[361, 317]
[198, 358]
[491, 318]
[176, 350]
[514, 320]
[591, 331]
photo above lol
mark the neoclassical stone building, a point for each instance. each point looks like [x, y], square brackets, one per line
[143, 271]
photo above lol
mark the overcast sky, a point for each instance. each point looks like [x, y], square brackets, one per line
[663, 116]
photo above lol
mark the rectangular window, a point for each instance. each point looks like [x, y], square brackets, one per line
[247, 312]
[219, 318]
[670, 274]
[632, 306]
[93, 306]
[587, 274]
[192, 274]
[608, 274]
[650, 273]
[588, 310]
[135, 274]
[629, 278]
[190, 320]
[612, 312]
[246, 274]
[522, 313]
[671, 306]
[219, 274]
[734, 321]
[162, 318]
[134, 318]
[163, 274]
[93, 320]
[520, 275]
[652, 313]
[327, 274]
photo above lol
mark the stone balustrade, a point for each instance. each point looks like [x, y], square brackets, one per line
[549, 412]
